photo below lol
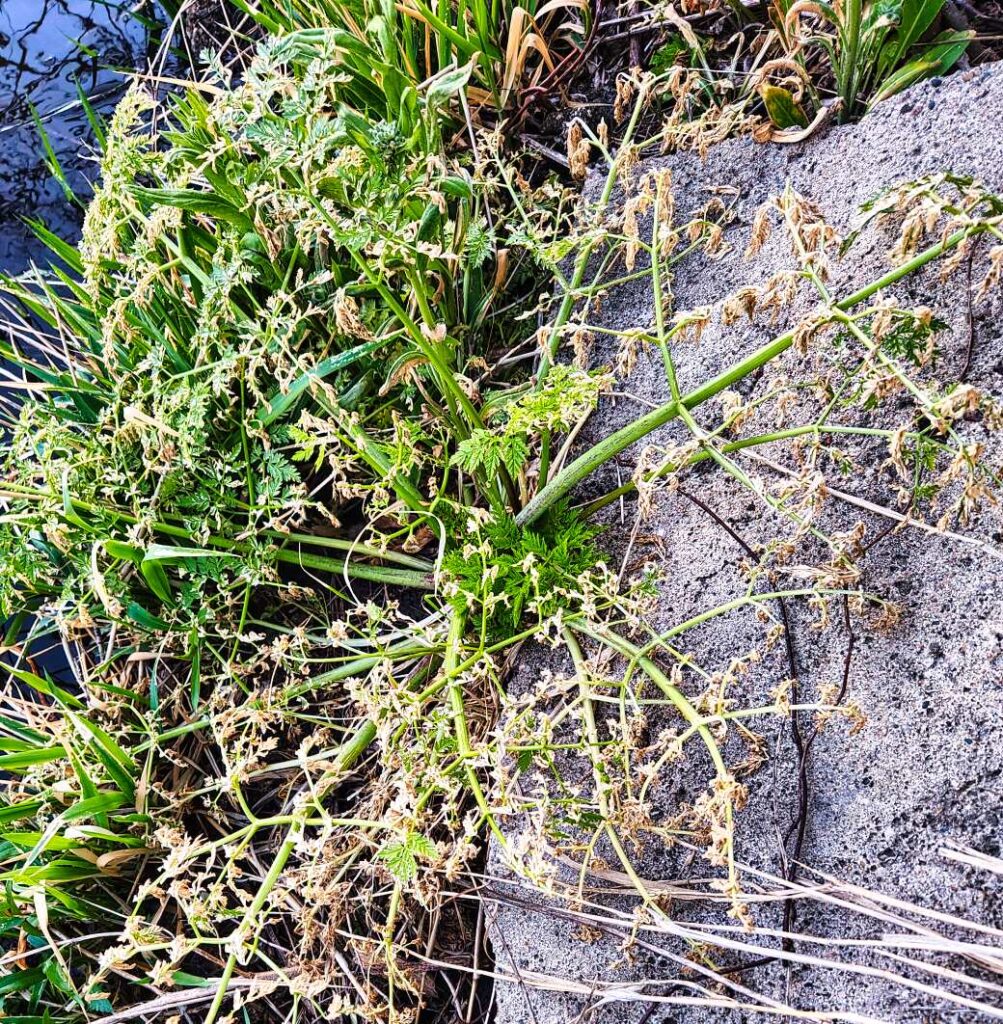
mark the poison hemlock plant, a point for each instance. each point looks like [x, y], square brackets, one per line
[289, 483]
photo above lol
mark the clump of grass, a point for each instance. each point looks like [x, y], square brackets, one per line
[511, 52]
[288, 483]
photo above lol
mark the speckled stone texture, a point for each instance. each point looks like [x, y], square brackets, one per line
[925, 772]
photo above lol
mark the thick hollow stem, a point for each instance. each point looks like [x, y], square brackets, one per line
[589, 461]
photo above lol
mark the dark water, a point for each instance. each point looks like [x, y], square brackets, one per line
[46, 47]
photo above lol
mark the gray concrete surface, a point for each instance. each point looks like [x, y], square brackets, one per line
[926, 770]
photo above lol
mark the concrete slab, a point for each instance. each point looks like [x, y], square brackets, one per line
[925, 772]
